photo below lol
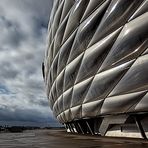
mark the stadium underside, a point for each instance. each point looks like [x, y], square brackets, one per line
[131, 125]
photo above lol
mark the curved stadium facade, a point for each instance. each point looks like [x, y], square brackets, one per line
[96, 65]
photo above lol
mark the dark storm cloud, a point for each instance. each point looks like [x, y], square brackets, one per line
[13, 36]
[17, 114]
[5, 71]
[23, 25]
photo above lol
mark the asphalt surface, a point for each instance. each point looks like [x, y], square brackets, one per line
[62, 139]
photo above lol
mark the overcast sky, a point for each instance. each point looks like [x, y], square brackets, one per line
[23, 29]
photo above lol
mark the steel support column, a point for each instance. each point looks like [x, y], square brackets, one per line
[139, 125]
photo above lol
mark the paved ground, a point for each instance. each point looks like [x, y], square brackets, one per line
[61, 139]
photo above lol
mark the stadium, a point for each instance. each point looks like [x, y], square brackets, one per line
[96, 66]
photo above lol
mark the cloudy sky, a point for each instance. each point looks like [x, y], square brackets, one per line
[23, 29]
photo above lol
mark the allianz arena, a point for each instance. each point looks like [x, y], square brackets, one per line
[96, 65]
